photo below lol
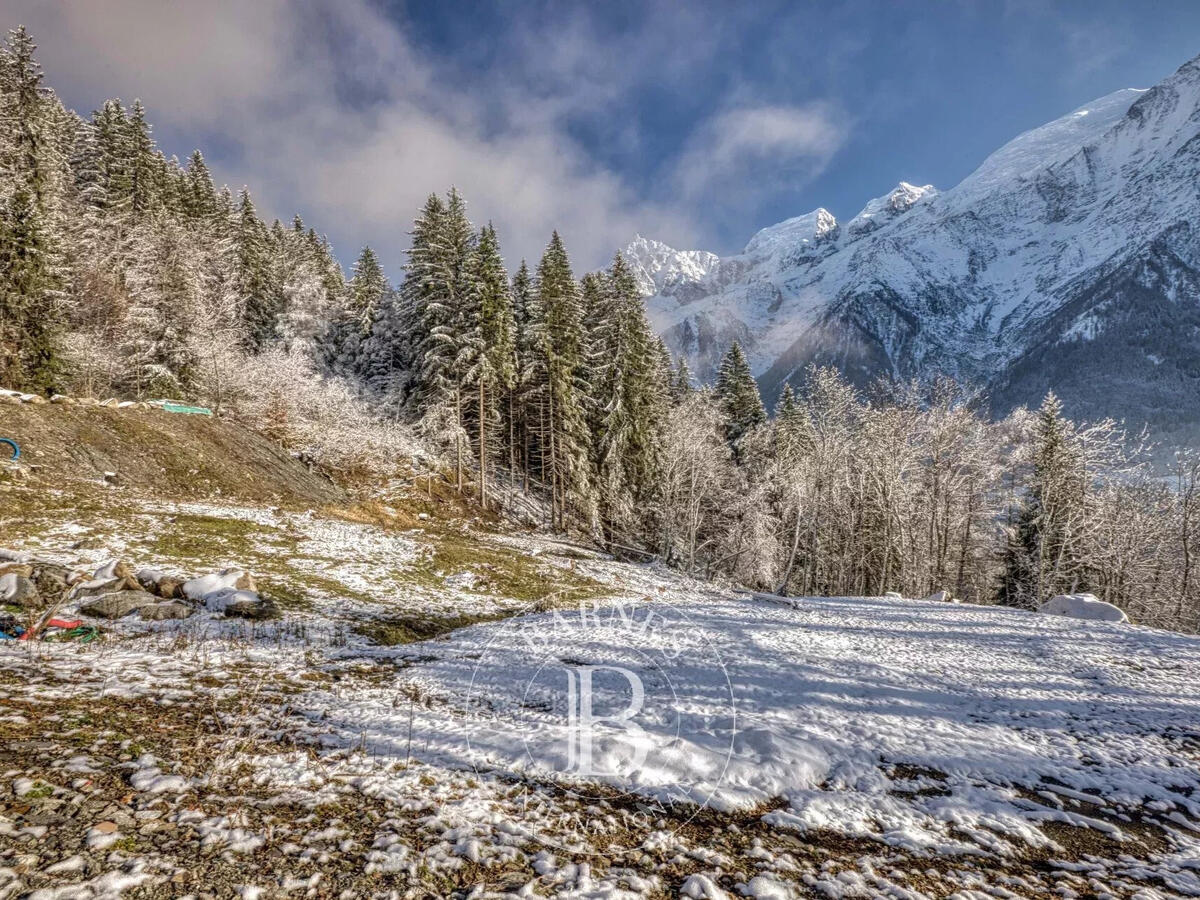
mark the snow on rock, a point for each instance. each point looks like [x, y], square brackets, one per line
[702, 887]
[1070, 217]
[1083, 606]
[210, 585]
[149, 778]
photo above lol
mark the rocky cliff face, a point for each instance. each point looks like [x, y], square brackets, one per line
[1069, 259]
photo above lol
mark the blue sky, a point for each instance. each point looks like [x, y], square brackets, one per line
[697, 123]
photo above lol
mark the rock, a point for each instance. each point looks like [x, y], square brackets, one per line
[117, 604]
[88, 401]
[19, 591]
[62, 400]
[170, 587]
[893, 595]
[154, 581]
[51, 580]
[115, 568]
[938, 597]
[166, 609]
[34, 399]
[242, 605]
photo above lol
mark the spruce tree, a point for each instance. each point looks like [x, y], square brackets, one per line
[260, 298]
[30, 323]
[494, 372]
[558, 328]
[366, 288]
[681, 382]
[525, 398]
[738, 394]
[144, 174]
[1044, 556]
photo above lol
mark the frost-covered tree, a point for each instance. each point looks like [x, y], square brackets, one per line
[738, 393]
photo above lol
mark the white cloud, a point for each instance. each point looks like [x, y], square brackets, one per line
[328, 108]
[759, 145]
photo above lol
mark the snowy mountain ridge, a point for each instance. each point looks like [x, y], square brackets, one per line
[1067, 259]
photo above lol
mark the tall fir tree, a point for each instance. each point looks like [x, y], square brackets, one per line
[1044, 554]
[558, 327]
[494, 372]
[738, 394]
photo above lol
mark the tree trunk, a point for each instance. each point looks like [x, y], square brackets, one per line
[482, 445]
[458, 466]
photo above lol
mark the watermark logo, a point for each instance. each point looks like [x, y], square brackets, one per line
[621, 703]
[582, 719]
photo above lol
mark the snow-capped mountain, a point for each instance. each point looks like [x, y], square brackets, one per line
[1069, 259]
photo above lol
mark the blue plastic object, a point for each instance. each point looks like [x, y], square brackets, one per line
[16, 451]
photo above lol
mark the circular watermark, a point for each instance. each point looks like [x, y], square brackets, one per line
[619, 705]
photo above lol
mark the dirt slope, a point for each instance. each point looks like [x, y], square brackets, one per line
[179, 455]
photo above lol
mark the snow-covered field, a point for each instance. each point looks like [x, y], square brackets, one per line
[663, 737]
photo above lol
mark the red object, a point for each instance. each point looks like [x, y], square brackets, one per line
[52, 623]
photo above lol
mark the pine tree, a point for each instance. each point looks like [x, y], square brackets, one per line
[30, 277]
[738, 394]
[556, 322]
[367, 288]
[525, 398]
[260, 296]
[494, 371]
[1044, 558]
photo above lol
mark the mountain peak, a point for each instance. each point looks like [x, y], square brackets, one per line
[1070, 246]
[658, 267]
[793, 233]
[899, 200]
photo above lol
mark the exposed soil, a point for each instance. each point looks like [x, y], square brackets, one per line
[180, 456]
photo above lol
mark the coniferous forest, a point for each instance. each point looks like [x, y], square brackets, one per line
[545, 391]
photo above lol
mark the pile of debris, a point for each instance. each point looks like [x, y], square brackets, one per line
[39, 591]
[16, 398]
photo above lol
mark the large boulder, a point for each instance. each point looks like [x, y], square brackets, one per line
[111, 577]
[1083, 606]
[166, 609]
[166, 586]
[117, 604]
[18, 590]
[51, 580]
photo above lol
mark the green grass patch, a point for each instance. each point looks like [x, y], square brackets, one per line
[501, 571]
[201, 537]
[412, 628]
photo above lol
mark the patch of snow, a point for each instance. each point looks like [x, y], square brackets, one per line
[1083, 606]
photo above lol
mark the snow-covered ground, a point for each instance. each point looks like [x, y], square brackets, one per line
[662, 737]
[934, 727]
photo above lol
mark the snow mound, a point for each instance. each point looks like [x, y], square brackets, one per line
[1083, 606]
[209, 585]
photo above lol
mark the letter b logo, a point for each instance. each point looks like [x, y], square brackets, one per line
[582, 721]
